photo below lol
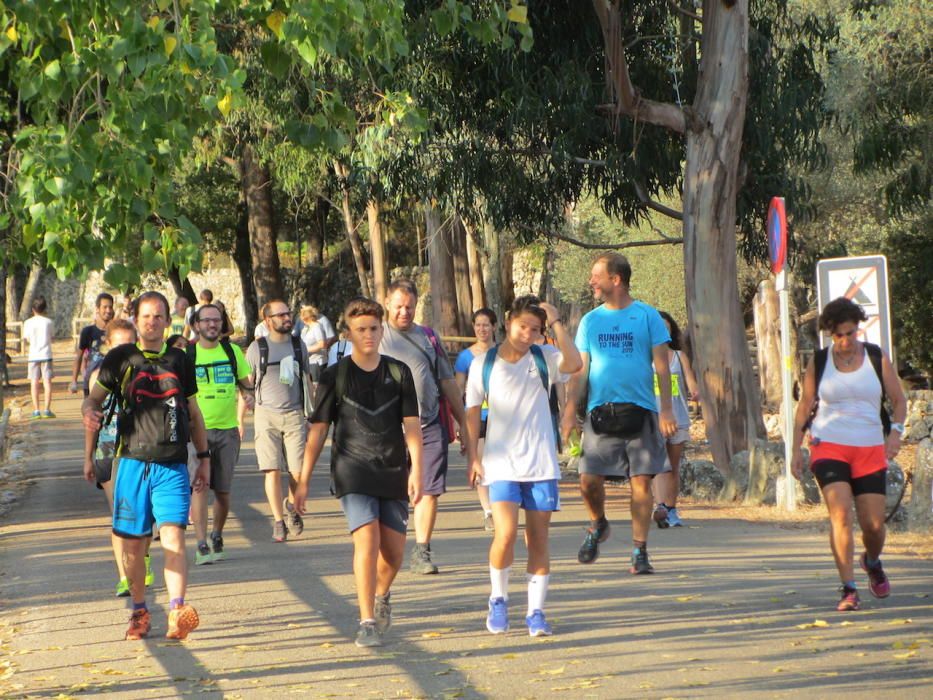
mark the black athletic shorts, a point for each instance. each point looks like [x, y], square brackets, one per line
[830, 471]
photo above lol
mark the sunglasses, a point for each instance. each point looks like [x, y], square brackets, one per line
[280, 314]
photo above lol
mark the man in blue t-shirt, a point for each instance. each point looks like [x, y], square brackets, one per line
[623, 434]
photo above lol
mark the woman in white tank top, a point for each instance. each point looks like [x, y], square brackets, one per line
[848, 448]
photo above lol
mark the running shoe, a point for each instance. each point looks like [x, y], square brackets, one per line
[537, 625]
[673, 518]
[181, 621]
[217, 545]
[488, 524]
[660, 516]
[368, 635]
[640, 563]
[293, 521]
[497, 621]
[421, 560]
[36, 415]
[150, 577]
[48, 414]
[279, 531]
[140, 622]
[203, 555]
[383, 613]
[123, 588]
[589, 550]
[878, 583]
[849, 600]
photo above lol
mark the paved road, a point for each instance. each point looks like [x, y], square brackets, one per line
[725, 615]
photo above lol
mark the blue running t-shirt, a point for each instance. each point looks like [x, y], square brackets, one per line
[619, 343]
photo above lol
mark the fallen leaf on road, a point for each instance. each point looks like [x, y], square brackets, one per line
[908, 655]
[815, 623]
[900, 622]
[846, 623]
[553, 671]
[688, 598]
[777, 670]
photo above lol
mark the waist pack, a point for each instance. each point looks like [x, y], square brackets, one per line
[624, 420]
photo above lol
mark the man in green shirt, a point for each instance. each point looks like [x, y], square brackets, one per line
[220, 369]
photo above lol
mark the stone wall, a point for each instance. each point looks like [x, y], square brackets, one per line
[919, 423]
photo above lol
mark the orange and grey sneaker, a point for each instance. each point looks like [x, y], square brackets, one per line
[140, 622]
[849, 600]
[181, 621]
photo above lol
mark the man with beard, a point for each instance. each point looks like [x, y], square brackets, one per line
[280, 374]
[624, 433]
[219, 367]
[88, 354]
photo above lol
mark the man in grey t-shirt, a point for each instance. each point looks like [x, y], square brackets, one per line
[407, 341]
[280, 424]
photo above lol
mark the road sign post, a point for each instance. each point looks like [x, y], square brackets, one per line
[777, 249]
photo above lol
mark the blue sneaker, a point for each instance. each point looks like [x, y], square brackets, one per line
[673, 519]
[537, 625]
[497, 621]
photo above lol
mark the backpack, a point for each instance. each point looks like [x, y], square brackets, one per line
[192, 351]
[298, 349]
[538, 355]
[874, 355]
[153, 421]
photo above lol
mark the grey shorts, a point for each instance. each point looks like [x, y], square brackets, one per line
[618, 458]
[361, 510]
[42, 369]
[103, 470]
[225, 452]
[280, 440]
[434, 457]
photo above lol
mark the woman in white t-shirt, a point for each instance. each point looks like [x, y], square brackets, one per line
[519, 461]
[315, 340]
[38, 331]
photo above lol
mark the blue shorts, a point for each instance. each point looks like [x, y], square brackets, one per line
[530, 495]
[361, 510]
[147, 493]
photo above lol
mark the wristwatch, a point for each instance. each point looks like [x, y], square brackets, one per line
[899, 427]
[204, 455]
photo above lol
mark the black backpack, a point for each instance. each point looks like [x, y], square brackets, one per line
[299, 351]
[154, 421]
[192, 351]
[874, 355]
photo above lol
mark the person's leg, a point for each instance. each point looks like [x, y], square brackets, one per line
[869, 508]
[221, 511]
[47, 386]
[838, 498]
[273, 486]
[483, 493]
[641, 507]
[502, 549]
[425, 519]
[666, 485]
[537, 526]
[271, 459]
[593, 490]
[199, 515]
[34, 389]
[391, 553]
[176, 563]
[366, 541]
[115, 542]
[134, 564]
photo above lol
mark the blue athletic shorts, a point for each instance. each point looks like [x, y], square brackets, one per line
[147, 493]
[361, 510]
[530, 495]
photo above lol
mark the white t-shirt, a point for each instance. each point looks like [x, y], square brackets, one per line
[312, 335]
[262, 330]
[342, 348]
[850, 406]
[520, 444]
[38, 332]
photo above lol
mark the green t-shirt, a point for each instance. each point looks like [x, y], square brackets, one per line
[217, 388]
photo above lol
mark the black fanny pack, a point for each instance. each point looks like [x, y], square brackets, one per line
[623, 420]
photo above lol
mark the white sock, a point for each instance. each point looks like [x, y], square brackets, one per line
[499, 578]
[537, 591]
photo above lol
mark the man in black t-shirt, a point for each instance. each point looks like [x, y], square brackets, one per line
[88, 353]
[158, 412]
[373, 403]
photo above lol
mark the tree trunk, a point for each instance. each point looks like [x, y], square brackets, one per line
[458, 240]
[768, 341]
[29, 293]
[4, 370]
[728, 390]
[443, 293]
[474, 260]
[182, 288]
[244, 265]
[491, 276]
[506, 278]
[353, 236]
[318, 232]
[377, 246]
[257, 192]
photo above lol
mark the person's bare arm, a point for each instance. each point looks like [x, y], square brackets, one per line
[895, 393]
[666, 421]
[576, 388]
[199, 438]
[801, 416]
[455, 397]
[693, 389]
[314, 445]
[415, 443]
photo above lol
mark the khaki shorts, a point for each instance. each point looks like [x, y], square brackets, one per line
[41, 369]
[280, 440]
[225, 451]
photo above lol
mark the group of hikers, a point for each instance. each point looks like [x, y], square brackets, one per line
[164, 426]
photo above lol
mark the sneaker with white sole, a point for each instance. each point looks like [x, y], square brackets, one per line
[497, 621]
[537, 625]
